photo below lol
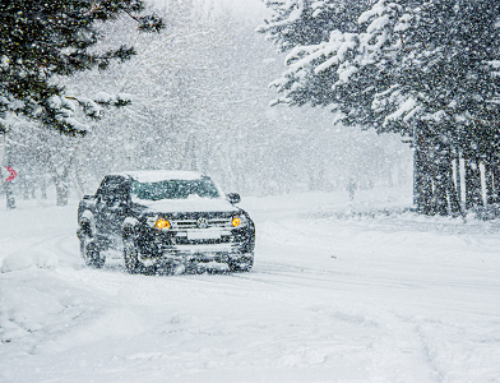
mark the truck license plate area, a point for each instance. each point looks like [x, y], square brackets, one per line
[204, 234]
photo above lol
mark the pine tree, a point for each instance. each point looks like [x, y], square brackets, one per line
[423, 68]
[304, 22]
[42, 40]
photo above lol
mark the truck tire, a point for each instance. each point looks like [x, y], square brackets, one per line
[130, 252]
[94, 257]
[89, 249]
[241, 265]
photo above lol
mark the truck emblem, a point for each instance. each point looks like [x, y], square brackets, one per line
[202, 223]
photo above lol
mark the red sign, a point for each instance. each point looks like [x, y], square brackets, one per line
[13, 173]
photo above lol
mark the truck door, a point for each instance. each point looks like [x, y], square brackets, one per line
[113, 199]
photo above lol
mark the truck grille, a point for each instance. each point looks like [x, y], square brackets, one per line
[185, 241]
[186, 224]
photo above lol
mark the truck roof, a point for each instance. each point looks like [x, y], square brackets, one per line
[160, 175]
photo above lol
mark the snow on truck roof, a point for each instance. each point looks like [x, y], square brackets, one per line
[161, 175]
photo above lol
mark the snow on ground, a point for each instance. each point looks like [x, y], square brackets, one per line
[340, 292]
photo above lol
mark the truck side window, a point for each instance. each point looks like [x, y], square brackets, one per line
[122, 191]
[114, 190]
[101, 190]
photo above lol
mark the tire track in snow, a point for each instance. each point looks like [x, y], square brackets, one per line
[294, 273]
[402, 354]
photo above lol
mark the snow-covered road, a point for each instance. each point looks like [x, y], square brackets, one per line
[335, 296]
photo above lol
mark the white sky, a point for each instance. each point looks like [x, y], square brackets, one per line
[251, 9]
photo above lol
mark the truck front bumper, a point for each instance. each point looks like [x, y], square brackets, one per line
[174, 252]
[197, 258]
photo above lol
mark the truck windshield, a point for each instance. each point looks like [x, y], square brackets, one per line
[174, 189]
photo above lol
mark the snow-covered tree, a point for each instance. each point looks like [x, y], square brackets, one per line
[426, 69]
[305, 22]
[42, 40]
[200, 101]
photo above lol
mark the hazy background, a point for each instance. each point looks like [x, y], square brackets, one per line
[201, 102]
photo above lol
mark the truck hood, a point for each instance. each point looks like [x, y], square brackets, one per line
[189, 205]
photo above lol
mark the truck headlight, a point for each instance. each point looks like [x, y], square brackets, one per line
[236, 222]
[162, 224]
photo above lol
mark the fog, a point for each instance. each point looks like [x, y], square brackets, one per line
[201, 97]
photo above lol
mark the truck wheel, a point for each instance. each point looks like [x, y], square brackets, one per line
[89, 249]
[94, 258]
[242, 265]
[130, 254]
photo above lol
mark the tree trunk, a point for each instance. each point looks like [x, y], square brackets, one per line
[417, 171]
[25, 186]
[490, 189]
[442, 177]
[61, 179]
[449, 179]
[43, 187]
[440, 202]
[473, 195]
[62, 191]
[425, 187]
[453, 191]
[435, 189]
[495, 175]
[78, 184]
[5, 160]
[9, 195]
[458, 180]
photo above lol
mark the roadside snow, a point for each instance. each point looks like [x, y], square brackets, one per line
[340, 292]
[42, 259]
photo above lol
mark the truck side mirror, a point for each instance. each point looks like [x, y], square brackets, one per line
[233, 198]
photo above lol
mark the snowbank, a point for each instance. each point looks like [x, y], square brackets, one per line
[341, 291]
[43, 259]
